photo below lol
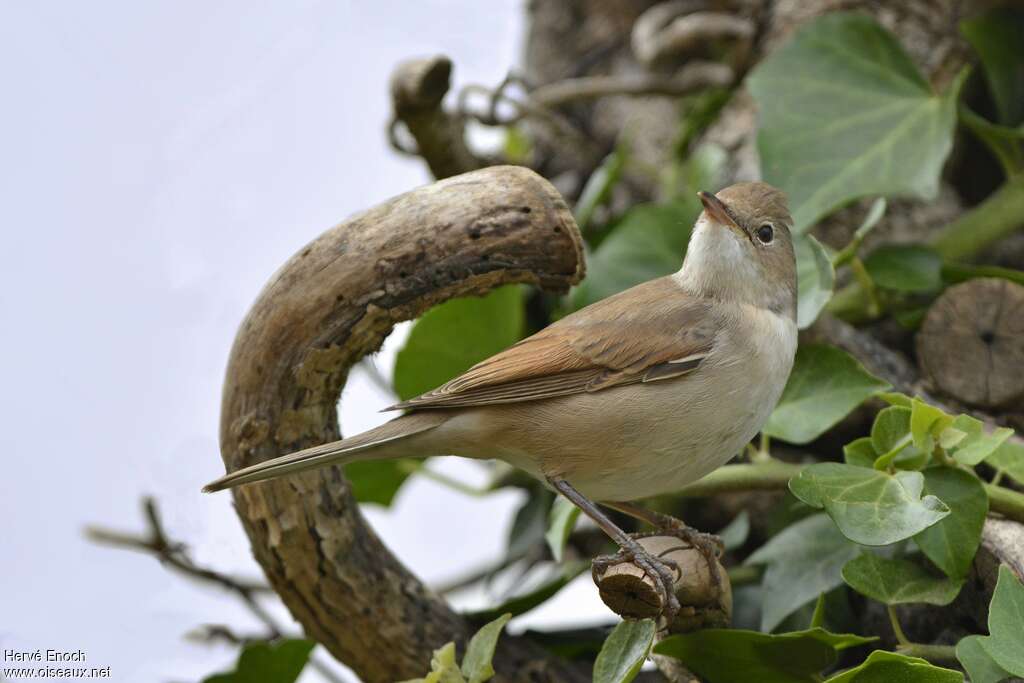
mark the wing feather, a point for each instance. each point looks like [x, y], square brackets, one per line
[653, 332]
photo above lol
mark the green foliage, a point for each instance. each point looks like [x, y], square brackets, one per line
[815, 278]
[736, 532]
[825, 385]
[624, 652]
[1008, 459]
[889, 667]
[599, 187]
[647, 242]
[802, 562]
[905, 268]
[561, 522]
[476, 665]
[976, 446]
[846, 114]
[891, 439]
[731, 655]
[530, 522]
[376, 481]
[952, 543]
[870, 507]
[1005, 644]
[897, 581]
[279, 662]
[443, 667]
[997, 37]
[979, 666]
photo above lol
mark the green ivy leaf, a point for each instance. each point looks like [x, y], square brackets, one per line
[647, 242]
[889, 667]
[599, 186]
[815, 278]
[443, 668]
[997, 36]
[476, 665]
[1009, 459]
[561, 522]
[624, 652]
[802, 561]
[952, 543]
[860, 452]
[376, 481]
[926, 424]
[825, 385]
[1005, 645]
[535, 592]
[905, 268]
[890, 429]
[846, 114]
[530, 522]
[279, 662]
[895, 398]
[736, 532]
[897, 581]
[797, 657]
[449, 339]
[890, 437]
[870, 507]
[977, 445]
[979, 666]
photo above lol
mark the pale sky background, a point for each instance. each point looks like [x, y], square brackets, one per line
[159, 161]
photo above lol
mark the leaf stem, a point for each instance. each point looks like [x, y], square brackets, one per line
[743, 574]
[996, 217]
[897, 630]
[420, 468]
[936, 654]
[775, 474]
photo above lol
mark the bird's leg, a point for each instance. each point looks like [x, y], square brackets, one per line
[709, 545]
[660, 570]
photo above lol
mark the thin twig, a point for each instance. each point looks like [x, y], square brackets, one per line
[174, 554]
[692, 78]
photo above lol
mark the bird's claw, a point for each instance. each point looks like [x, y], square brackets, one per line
[663, 572]
[709, 545]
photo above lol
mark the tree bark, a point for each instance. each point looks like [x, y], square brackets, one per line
[329, 305]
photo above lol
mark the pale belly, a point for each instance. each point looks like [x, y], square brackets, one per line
[634, 441]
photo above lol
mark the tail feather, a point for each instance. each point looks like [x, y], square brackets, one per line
[354, 448]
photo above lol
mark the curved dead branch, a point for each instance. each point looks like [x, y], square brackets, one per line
[327, 307]
[418, 87]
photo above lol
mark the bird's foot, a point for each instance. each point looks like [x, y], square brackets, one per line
[662, 572]
[709, 545]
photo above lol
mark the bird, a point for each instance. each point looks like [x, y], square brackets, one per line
[633, 396]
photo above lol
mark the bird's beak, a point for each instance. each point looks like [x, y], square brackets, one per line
[719, 212]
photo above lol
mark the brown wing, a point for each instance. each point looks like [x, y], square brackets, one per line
[651, 332]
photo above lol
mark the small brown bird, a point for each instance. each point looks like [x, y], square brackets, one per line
[634, 396]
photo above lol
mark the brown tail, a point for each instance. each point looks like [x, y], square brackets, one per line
[365, 446]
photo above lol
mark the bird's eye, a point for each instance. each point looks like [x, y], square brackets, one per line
[765, 233]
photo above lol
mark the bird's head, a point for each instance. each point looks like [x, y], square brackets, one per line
[741, 248]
